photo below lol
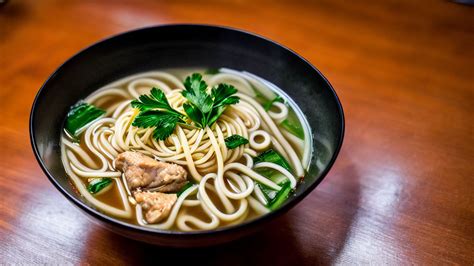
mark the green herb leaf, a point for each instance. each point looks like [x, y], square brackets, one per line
[269, 104]
[292, 128]
[204, 108]
[275, 176]
[216, 113]
[280, 197]
[156, 100]
[235, 141]
[155, 111]
[164, 122]
[194, 114]
[195, 92]
[272, 157]
[165, 128]
[269, 193]
[292, 124]
[274, 198]
[222, 93]
[97, 184]
[80, 115]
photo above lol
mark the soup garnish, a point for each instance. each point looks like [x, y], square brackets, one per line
[186, 150]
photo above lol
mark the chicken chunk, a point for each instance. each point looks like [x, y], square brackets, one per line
[146, 173]
[157, 205]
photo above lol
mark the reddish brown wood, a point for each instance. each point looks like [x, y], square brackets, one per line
[401, 191]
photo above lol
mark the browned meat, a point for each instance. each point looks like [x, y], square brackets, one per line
[157, 205]
[146, 173]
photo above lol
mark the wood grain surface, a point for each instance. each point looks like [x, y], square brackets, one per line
[401, 191]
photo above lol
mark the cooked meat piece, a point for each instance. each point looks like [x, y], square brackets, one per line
[157, 205]
[146, 173]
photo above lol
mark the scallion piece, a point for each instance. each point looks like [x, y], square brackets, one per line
[292, 125]
[272, 156]
[280, 197]
[275, 198]
[80, 115]
[98, 184]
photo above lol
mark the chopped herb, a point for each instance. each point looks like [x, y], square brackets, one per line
[269, 193]
[266, 172]
[223, 96]
[280, 197]
[164, 122]
[204, 108]
[272, 157]
[292, 128]
[292, 125]
[201, 107]
[279, 178]
[97, 184]
[156, 100]
[269, 104]
[80, 115]
[274, 197]
[184, 188]
[155, 111]
[235, 141]
[199, 101]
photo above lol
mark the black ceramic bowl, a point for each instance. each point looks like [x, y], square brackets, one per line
[185, 46]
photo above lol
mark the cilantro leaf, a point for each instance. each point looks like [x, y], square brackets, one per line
[204, 108]
[156, 100]
[155, 111]
[215, 114]
[235, 141]
[194, 114]
[164, 130]
[149, 118]
[164, 122]
[195, 92]
[222, 93]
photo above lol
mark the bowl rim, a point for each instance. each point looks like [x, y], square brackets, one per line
[228, 229]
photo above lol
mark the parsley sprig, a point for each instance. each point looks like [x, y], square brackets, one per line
[202, 108]
[155, 111]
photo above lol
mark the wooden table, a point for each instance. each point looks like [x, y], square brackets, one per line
[402, 189]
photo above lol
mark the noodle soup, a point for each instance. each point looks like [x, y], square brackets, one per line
[186, 149]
